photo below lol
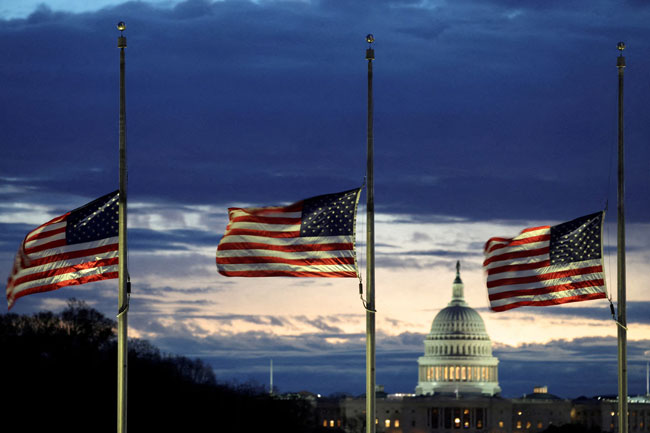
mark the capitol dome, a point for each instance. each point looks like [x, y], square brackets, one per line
[458, 351]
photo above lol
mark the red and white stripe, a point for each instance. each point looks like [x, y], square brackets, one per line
[266, 242]
[44, 262]
[519, 273]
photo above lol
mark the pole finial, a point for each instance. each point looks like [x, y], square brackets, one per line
[370, 52]
[620, 60]
[121, 40]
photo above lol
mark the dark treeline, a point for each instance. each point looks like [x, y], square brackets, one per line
[59, 373]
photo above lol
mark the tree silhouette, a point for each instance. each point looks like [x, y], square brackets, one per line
[60, 374]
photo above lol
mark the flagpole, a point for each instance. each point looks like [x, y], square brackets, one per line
[370, 245]
[123, 296]
[622, 321]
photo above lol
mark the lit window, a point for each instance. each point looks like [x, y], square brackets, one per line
[466, 418]
[396, 423]
[331, 423]
[539, 424]
[457, 422]
[519, 413]
[500, 423]
[518, 424]
[324, 423]
[527, 424]
[338, 423]
[387, 422]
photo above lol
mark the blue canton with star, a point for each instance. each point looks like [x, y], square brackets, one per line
[93, 221]
[576, 240]
[329, 214]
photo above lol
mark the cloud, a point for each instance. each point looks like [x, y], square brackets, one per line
[438, 253]
[584, 366]
[264, 73]
[636, 312]
[9, 237]
[322, 324]
[157, 240]
[420, 237]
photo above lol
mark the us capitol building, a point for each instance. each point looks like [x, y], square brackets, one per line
[458, 351]
[458, 390]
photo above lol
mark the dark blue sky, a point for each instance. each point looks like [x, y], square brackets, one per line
[492, 111]
[489, 116]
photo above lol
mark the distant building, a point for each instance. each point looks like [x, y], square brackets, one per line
[475, 413]
[458, 390]
[458, 352]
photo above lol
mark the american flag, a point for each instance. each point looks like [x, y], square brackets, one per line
[310, 238]
[77, 247]
[547, 265]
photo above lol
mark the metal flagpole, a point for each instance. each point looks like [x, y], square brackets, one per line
[622, 321]
[123, 297]
[370, 268]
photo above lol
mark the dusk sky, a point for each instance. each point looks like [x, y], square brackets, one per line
[490, 116]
